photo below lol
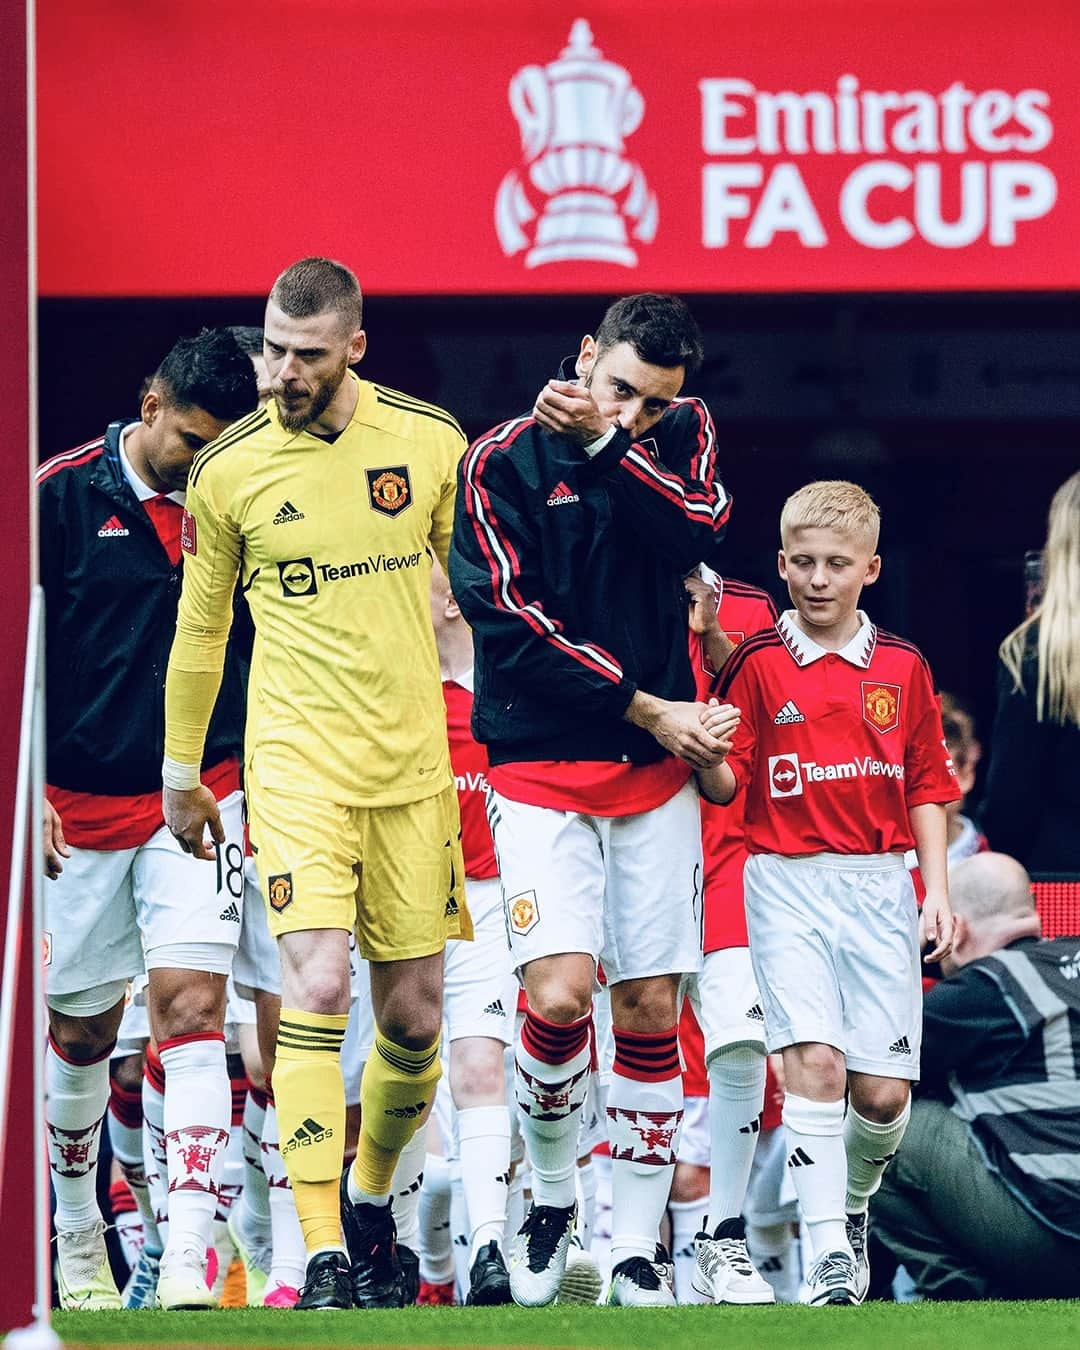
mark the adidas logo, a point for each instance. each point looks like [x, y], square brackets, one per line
[788, 715]
[770, 1265]
[405, 1112]
[755, 1014]
[495, 1009]
[800, 1158]
[881, 1162]
[310, 1132]
[230, 913]
[451, 909]
[114, 528]
[561, 495]
[753, 1128]
[900, 1047]
[286, 513]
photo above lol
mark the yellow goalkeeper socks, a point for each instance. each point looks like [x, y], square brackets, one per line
[310, 1097]
[396, 1093]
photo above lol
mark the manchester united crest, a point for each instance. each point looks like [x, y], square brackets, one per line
[389, 490]
[881, 705]
[524, 912]
[279, 889]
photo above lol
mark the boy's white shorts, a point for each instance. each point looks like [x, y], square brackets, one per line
[726, 1002]
[110, 911]
[625, 889]
[834, 941]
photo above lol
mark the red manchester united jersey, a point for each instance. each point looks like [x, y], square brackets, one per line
[834, 747]
[468, 760]
[743, 611]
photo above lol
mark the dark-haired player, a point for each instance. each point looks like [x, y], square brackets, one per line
[110, 514]
[575, 526]
[332, 500]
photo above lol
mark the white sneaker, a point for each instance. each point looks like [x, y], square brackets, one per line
[141, 1288]
[640, 1283]
[723, 1270]
[833, 1278]
[538, 1255]
[83, 1277]
[856, 1235]
[182, 1282]
[582, 1281]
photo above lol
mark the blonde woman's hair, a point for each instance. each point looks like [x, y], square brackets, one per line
[832, 505]
[1057, 691]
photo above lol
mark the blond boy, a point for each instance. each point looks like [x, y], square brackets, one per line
[839, 752]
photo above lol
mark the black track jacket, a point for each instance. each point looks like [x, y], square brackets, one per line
[110, 615]
[569, 571]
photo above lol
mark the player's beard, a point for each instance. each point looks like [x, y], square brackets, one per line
[296, 419]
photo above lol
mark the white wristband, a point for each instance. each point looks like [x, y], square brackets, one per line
[594, 447]
[182, 777]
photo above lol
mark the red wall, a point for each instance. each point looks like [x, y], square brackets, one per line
[198, 146]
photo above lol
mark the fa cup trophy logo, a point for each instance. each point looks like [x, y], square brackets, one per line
[574, 114]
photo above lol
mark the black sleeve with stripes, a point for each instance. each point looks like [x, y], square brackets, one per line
[497, 580]
[673, 498]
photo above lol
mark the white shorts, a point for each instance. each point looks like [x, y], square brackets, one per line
[725, 1000]
[480, 987]
[134, 1029]
[625, 889]
[109, 907]
[257, 964]
[694, 1145]
[604, 1032]
[834, 940]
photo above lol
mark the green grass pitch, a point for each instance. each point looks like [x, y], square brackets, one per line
[956, 1326]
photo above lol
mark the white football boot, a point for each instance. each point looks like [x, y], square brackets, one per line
[538, 1255]
[83, 1277]
[723, 1270]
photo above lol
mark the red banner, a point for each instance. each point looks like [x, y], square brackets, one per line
[198, 146]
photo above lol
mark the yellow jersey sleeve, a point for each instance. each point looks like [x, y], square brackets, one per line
[212, 549]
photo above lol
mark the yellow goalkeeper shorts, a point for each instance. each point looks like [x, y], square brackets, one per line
[395, 874]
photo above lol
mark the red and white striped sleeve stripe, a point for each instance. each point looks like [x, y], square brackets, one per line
[703, 462]
[504, 563]
[70, 459]
[710, 507]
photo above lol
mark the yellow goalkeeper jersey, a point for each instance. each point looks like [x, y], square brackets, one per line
[333, 542]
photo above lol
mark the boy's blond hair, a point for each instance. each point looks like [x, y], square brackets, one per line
[832, 505]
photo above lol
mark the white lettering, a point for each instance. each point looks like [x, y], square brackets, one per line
[785, 205]
[847, 114]
[1018, 191]
[990, 111]
[972, 221]
[874, 107]
[1029, 113]
[953, 102]
[916, 131]
[721, 203]
[798, 111]
[854, 206]
[716, 108]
